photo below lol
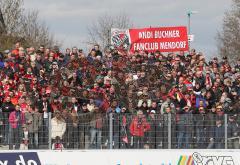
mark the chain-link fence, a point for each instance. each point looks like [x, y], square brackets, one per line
[119, 131]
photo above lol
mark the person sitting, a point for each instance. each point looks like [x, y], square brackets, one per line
[24, 144]
[57, 145]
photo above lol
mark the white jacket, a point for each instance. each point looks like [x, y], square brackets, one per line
[58, 128]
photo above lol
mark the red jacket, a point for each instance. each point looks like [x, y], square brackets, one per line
[13, 117]
[138, 129]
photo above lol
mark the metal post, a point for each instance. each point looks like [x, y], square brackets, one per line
[189, 27]
[225, 130]
[189, 23]
[169, 131]
[49, 131]
[111, 130]
[109, 37]
[2, 23]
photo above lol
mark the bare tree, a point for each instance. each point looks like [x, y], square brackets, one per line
[35, 31]
[229, 37]
[18, 24]
[100, 30]
[12, 12]
[2, 23]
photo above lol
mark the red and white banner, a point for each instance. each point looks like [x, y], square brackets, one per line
[163, 39]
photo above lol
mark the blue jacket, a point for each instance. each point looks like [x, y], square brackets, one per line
[200, 98]
[1, 64]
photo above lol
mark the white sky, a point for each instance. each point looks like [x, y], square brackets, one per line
[69, 19]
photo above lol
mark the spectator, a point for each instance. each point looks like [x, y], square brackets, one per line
[233, 133]
[124, 123]
[165, 104]
[201, 124]
[24, 144]
[153, 134]
[16, 121]
[29, 124]
[185, 127]
[70, 136]
[33, 122]
[74, 105]
[58, 126]
[75, 129]
[57, 145]
[84, 120]
[97, 49]
[96, 125]
[164, 126]
[24, 138]
[7, 108]
[217, 137]
[138, 127]
[44, 108]
[109, 80]
[116, 125]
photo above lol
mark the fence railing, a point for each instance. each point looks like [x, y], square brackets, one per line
[120, 131]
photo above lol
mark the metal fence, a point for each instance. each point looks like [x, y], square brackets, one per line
[120, 131]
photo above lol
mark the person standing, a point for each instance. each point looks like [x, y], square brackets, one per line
[7, 108]
[84, 117]
[217, 138]
[200, 124]
[58, 126]
[233, 132]
[96, 126]
[152, 136]
[16, 120]
[46, 110]
[138, 127]
[33, 121]
[185, 128]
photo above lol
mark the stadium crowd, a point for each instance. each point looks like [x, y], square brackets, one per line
[74, 96]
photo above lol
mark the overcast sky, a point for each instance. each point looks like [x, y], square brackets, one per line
[69, 19]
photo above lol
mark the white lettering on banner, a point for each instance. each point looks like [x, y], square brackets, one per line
[173, 45]
[22, 161]
[212, 160]
[145, 46]
[4, 162]
[167, 34]
[123, 157]
[143, 35]
[159, 34]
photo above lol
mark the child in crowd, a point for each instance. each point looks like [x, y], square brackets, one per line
[57, 145]
[25, 141]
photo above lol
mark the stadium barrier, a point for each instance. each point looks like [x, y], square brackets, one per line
[124, 131]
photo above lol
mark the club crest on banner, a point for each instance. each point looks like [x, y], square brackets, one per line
[120, 38]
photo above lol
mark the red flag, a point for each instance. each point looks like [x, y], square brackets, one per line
[125, 139]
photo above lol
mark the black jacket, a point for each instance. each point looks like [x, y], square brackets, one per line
[40, 106]
[8, 107]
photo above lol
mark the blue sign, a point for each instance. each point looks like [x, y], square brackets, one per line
[19, 158]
